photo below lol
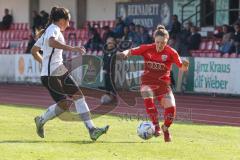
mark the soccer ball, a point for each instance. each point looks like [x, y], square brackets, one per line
[105, 99]
[146, 130]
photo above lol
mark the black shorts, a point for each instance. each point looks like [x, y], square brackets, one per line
[60, 87]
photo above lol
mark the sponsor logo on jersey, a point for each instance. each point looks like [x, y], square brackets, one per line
[164, 58]
[155, 65]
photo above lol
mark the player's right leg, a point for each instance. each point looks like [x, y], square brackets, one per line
[54, 110]
[71, 88]
[148, 96]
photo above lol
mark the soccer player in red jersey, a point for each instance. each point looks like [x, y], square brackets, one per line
[155, 81]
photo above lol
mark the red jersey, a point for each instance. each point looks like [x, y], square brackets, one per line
[157, 65]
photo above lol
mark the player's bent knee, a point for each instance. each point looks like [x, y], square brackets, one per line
[168, 100]
[146, 92]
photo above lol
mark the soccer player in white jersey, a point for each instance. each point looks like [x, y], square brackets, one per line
[56, 78]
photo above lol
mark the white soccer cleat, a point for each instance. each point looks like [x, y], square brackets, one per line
[39, 126]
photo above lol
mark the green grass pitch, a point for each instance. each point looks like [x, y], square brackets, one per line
[70, 140]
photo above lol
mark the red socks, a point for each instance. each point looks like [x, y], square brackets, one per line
[169, 115]
[151, 110]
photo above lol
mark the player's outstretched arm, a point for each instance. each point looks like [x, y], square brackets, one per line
[35, 52]
[56, 44]
[185, 65]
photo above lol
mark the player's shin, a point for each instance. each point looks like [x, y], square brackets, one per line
[83, 110]
[52, 112]
[169, 115]
[152, 113]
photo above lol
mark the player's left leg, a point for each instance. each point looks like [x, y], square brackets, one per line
[168, 102]
[52, 112]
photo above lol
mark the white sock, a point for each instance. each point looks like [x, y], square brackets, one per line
[83, 110]
[52, 111]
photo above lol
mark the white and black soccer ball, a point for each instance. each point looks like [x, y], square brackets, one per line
[146, 130]
[105, 99]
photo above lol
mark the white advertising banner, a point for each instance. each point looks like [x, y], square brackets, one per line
[211, 75]
[22, 68]
[27, 69]
[7, 68]
[217, 75]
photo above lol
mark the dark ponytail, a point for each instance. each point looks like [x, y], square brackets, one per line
[56, 14]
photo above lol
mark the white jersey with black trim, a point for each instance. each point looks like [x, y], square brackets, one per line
[43, 42]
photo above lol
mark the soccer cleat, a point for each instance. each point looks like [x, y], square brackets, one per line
[39, 126]
[167, 136]
[95, 133]
[158, 131]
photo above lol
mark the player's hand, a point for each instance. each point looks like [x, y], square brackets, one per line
[122, 55]
[185, 65]
[81, 50]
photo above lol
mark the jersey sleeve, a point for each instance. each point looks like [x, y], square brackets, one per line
[53, 32]
[176, 58]
[138, 51]
[39, 42]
